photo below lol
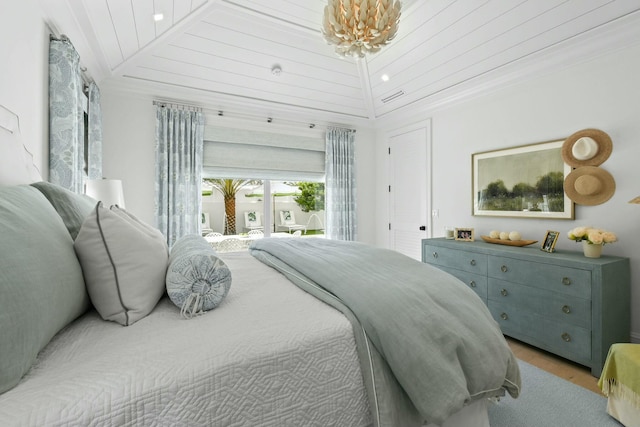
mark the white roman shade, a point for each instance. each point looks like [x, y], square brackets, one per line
[242, 153]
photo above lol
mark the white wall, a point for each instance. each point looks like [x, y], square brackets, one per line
[129, 154]
[366, 172]
[601, 93]
[24, 52]
[128, 149]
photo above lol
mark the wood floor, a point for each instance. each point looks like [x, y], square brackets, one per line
[563, 368]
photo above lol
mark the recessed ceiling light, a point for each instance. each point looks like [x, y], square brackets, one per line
[384, 77]
[158, 17]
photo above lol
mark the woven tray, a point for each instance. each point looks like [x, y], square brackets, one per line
[508, 242]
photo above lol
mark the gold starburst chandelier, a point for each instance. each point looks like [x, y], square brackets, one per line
[357, 27]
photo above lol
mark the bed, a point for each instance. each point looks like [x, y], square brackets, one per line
[269, 355]
[273, 353]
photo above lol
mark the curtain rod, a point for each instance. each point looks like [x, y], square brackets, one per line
[86, 77]
[268, 119]
[245, 116]
[341, 128]
[61, 38]
[165, 104]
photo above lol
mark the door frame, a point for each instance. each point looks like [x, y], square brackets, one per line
[422, 124]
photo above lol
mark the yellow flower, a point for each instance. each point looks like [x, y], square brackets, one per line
[595, 237]
[592, 235]
[578, 233]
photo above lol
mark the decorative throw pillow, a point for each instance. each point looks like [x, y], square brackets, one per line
[197, 280]
[124, 262]
[73, 208]
[41, 284]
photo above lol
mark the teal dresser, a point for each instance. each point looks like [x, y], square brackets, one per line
[562, 302]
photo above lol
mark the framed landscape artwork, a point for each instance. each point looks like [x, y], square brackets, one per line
[523, 182]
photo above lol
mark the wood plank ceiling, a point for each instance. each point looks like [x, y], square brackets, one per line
[223, 51]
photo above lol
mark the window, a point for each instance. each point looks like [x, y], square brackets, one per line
[241, 206]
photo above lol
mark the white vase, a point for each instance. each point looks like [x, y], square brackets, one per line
[591, 250]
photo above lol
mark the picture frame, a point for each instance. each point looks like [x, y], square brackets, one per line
[550, 240]
[464, 234]
[526, 181]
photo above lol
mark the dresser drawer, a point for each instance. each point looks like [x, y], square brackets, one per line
[476, 282]
[570, 341]
[562, 302]
[567, 280]
[458, 259]
[551, 305]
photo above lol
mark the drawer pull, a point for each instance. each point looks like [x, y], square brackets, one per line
[504, 292]
[435, 254]
[504, 269]
[566, 281]
[566, 337]
[504, 316]
[473, 262]
[472, 283]
[566, 309]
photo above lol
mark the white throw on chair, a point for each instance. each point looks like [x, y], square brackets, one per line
[255, 233]
[288, 221]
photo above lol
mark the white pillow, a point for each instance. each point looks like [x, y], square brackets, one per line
[124, 263]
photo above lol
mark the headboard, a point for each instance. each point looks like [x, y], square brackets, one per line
[16, 162]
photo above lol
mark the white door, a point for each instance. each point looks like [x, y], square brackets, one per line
[409, 221]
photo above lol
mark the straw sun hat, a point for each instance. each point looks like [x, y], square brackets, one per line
[589, 185]
[587, 147]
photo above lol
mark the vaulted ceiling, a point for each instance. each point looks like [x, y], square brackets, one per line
[223, 52]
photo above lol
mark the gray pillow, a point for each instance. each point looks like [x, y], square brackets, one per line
[73, 208]
[124, 262]
[41, 285]
[197, 280]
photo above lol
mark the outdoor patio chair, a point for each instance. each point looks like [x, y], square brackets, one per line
[288, 222]
[205, 226]
[252, 220]
[231, 245]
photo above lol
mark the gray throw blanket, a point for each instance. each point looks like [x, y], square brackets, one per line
[427, 344]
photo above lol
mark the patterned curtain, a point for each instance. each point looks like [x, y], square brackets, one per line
[179, 146]
[66, 121]
[340, 192]
[94, 143]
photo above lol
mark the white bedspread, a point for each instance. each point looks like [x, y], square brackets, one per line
[270, 355]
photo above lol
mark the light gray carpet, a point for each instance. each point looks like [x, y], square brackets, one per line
[549, 401]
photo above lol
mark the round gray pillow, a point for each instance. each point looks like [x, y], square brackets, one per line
[197, 280]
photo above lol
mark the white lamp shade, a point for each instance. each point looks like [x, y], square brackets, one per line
[108, 191]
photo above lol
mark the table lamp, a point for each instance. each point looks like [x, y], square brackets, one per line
[108, 191]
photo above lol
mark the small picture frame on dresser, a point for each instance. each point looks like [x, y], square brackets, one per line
[464, 234]
[549, 242]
